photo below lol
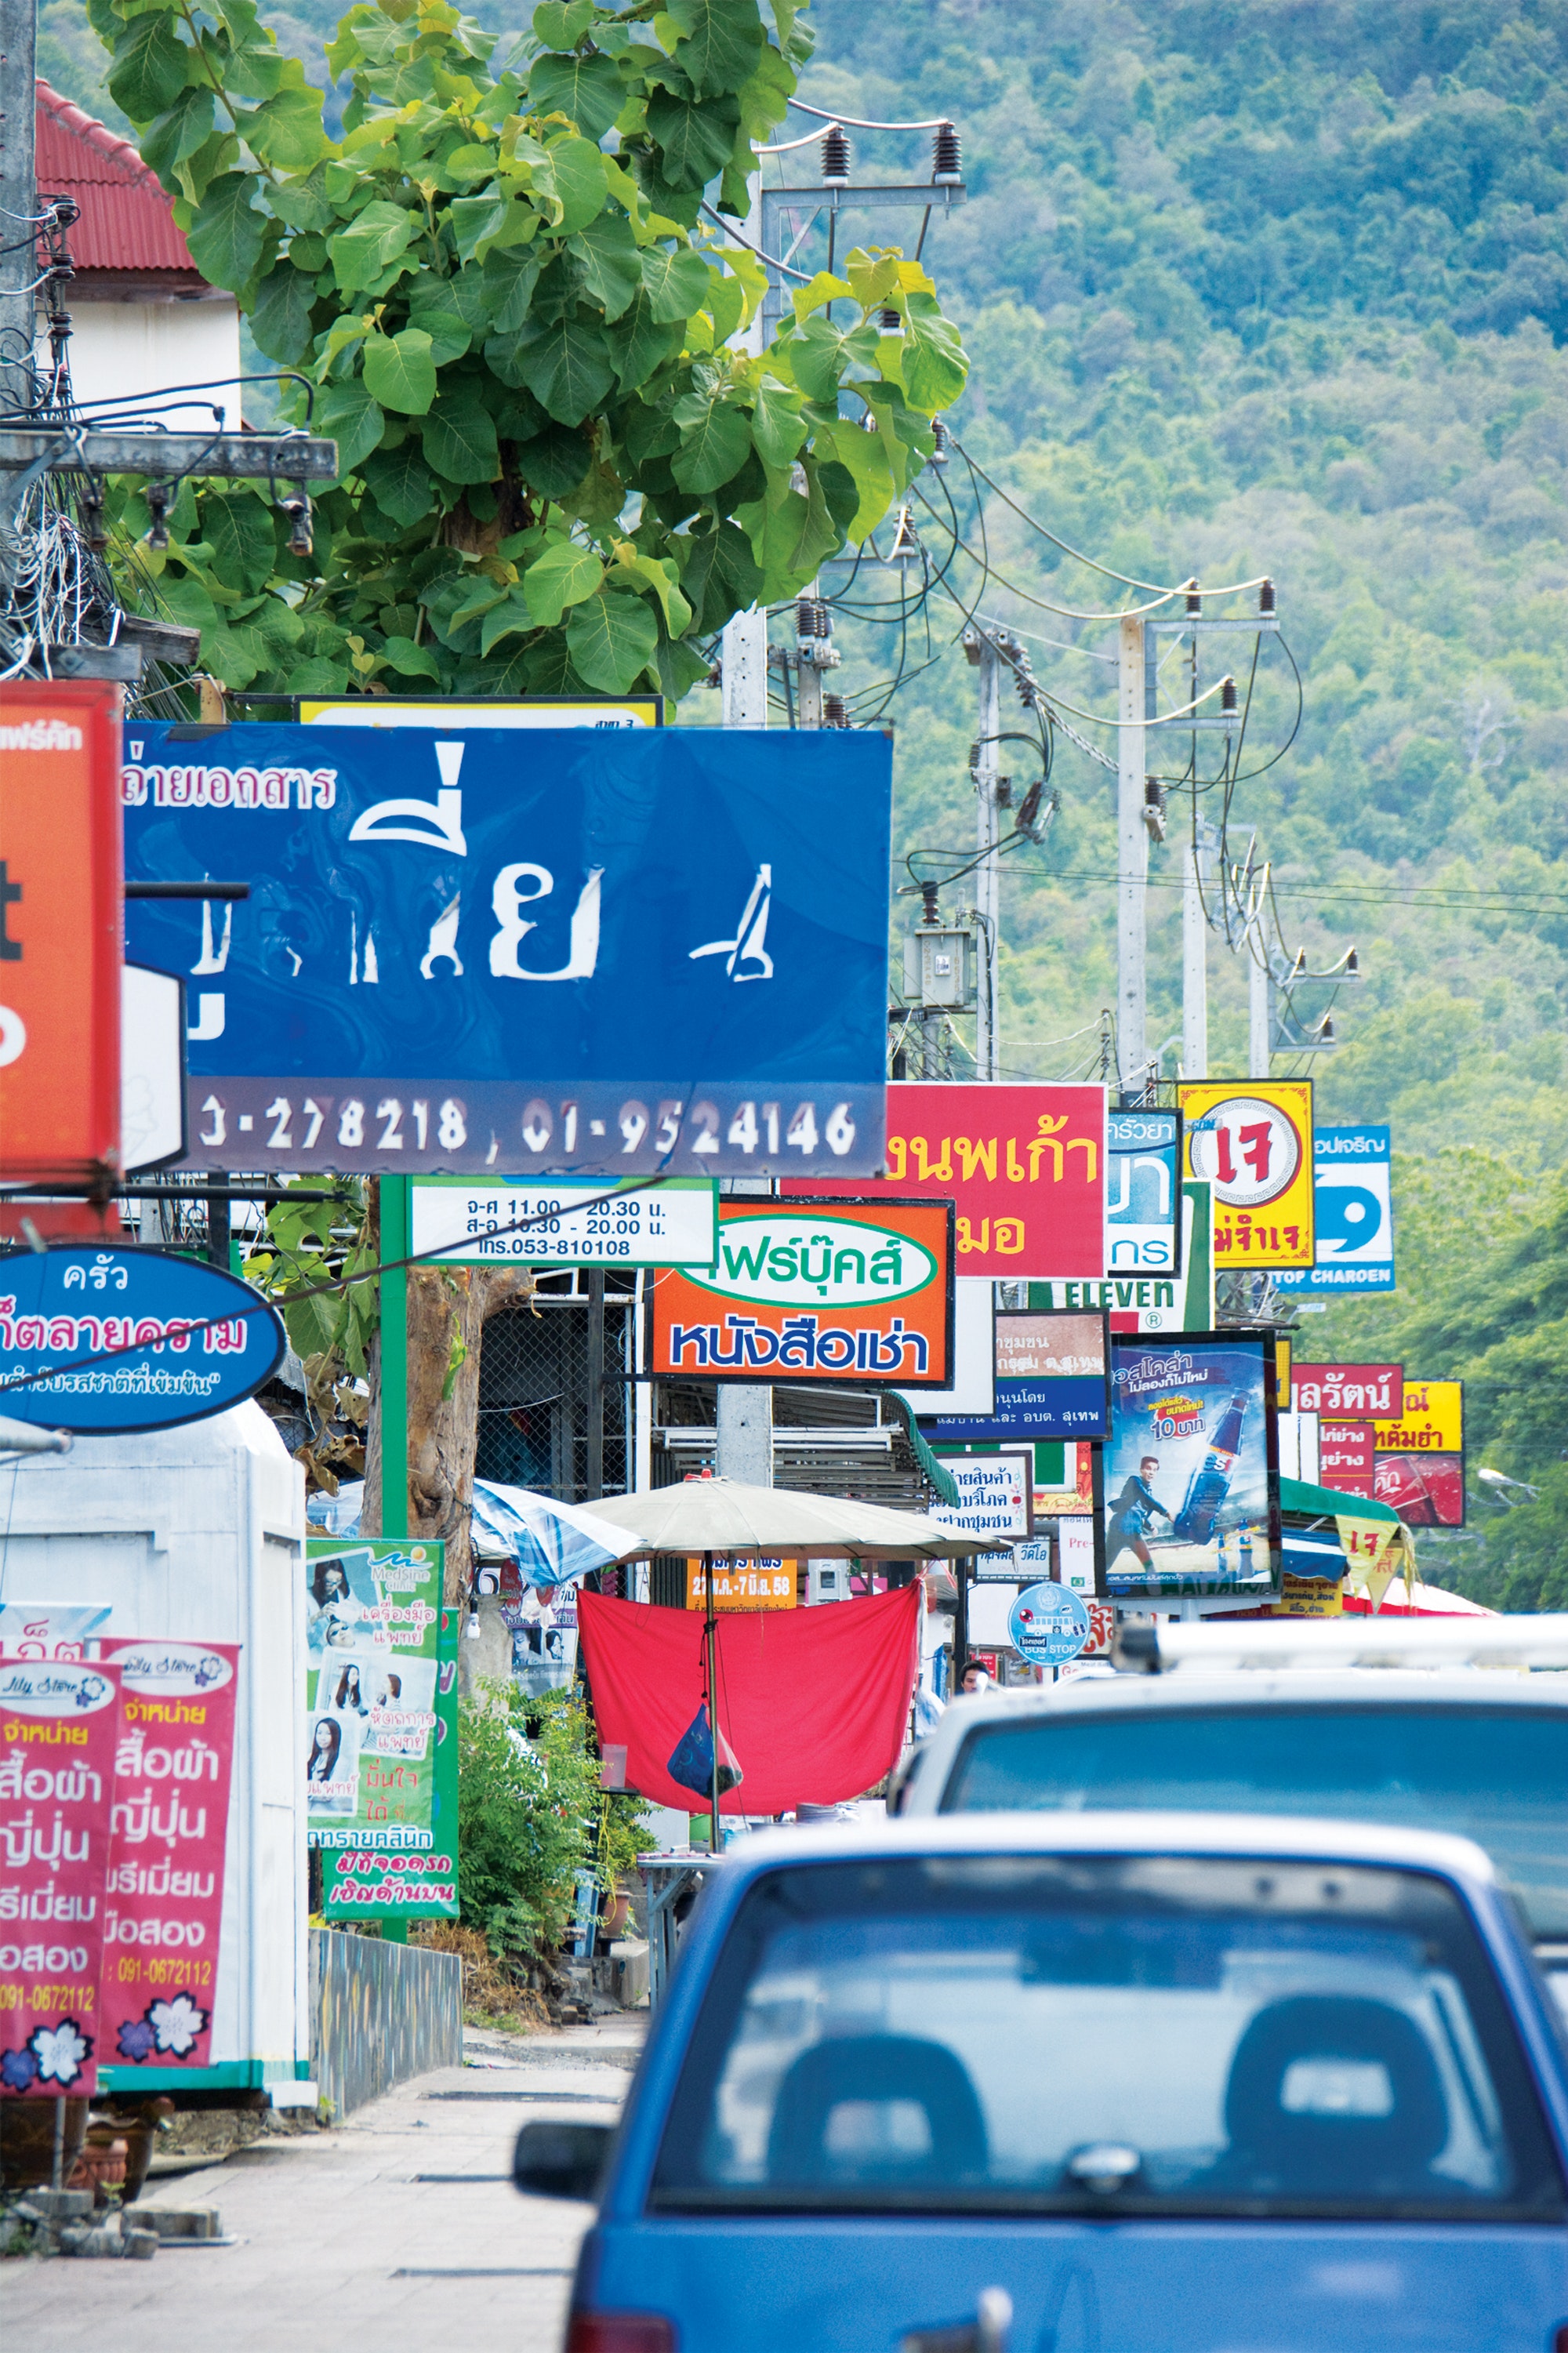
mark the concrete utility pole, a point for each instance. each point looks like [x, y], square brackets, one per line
[18, 196]
[1195, 952]
[1132, 861]
[987, 877]
[1260, 1004]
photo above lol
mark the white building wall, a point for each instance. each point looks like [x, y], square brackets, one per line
[140, 348]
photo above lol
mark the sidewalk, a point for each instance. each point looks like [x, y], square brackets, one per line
[400, 2230]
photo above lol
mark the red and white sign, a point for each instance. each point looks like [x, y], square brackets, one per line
[58, 1728]
[1347, 1456]
[1349, 1392]
[164, 1901]
[1025, 1167]
[60, 928]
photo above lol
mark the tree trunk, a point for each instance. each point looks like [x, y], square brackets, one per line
[444, 1305]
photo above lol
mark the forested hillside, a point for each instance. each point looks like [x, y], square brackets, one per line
[1269, 287]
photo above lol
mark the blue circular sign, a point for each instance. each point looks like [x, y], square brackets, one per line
[1047, 1625]
[104, 1341]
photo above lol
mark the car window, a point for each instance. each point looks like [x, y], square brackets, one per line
[1152, 2034]
[1496, 1775]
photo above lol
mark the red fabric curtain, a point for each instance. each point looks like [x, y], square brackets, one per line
[814, 1702]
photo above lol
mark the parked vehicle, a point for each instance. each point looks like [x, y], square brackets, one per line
[1240, 1720]
[1075, 2084]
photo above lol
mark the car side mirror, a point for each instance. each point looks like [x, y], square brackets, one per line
[561, 2160]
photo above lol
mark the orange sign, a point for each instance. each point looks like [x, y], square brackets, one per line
[755, 1582]
[826, 1289]
[60, 929]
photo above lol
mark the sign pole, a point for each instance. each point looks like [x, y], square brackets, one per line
[715, 1842]
[395, 1512]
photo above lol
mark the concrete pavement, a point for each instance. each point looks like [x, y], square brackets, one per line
[400, 2230]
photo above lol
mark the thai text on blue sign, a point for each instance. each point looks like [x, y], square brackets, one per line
[109, 1341]
[632, 951]
[1052, 1382]
[1142, 1194]
[1351, 1184]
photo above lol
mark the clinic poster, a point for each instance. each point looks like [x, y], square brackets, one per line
[1192, 1503]
[373, 1616]
[378, 1883]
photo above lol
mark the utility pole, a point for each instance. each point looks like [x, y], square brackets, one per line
[19, 196]
[1132, 861]
[1260, 1003]
[987, 879]
[1194, 955]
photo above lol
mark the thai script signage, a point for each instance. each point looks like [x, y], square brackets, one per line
[58, 1731]
[1024, 1166]
[1191, 1501]
[757, 1582]
[996, 1493]
[830, 1289]
[163, 1900]
[60, 929]
[1349, 1392]
[1421, 1456]
[416, 1884]
[106, 1341]
[1347, 1457]
[1351, 1173]
[372, 1610]
[569, 1222]
[1142, 1223]
[1052, 1382]
[1048, 1624]
[574, 951]
[1252, 1140]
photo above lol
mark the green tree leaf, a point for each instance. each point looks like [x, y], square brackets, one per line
[555, 460]
[676, 278]
[695, 139]
[778, 428]
[346, 413]
[722, 44]
[511, 618]
[562, 576]
[281, 321]
[287, 130]
[612, 270]
[225, 237]
[243, 536]
[561, 23]
[936, 366]
[408, 659]
[399, 371]
[400, 482]
[722, 577]
[186, 126]
[152, 66]
[564, 363]
[459, 437]
[612, 639]
[580, 183]
[588, 88]
[714, 444]
[377, 236]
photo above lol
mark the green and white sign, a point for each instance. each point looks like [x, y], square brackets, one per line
[373, 1631]
[564, 1221]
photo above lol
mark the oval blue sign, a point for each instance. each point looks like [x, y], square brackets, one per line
[103, 1342]
[1047, 1625]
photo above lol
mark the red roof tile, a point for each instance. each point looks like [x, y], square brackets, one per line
[126, 223]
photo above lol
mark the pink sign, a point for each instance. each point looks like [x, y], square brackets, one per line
[1347, 1456]
[59, 1725]
[1350, 1392]
[165, 1891]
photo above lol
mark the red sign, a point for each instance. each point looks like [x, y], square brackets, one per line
[1427, 1491]
[1350, 1392]
[1347, 1456]
[60, 928]
[58, 1728]
[1025, 1167]
[163, 1901]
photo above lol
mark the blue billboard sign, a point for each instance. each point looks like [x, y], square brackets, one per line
[1047, 1625]
[550, 952]
[1351, 1173]
[103, 1342]
[1142, 1192]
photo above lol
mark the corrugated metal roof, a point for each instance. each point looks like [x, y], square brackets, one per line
[126, 221]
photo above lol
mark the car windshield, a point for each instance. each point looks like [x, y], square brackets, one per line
[1497, 1774]
[1152, 2034]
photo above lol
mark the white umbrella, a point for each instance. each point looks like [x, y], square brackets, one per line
[721, 1515]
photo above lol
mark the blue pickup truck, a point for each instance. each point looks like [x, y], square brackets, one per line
[1084, 2084]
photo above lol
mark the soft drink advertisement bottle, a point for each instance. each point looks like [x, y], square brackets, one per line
[1209, 1486]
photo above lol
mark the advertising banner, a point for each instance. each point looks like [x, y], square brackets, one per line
[163, 1903]
[1143, 1200]
[759, 1582]
[1421, 1457]
[1349, 1392]
[1192, 1491]
[421, 1885]
[59, 1730]
[673, 1221]
[1351, 1172]
[996, 1493]
[49, 1629]
[1181, 1301]
[373, 1624]
[1252, 1140]
[1024, 1165]
[838, 1288]
[60, 928]
[1347, 1457]
[111, 1341]
[1052, 1382]
[448, 960]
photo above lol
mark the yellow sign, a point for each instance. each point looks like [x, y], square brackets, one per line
[1282, 1371]
[1434, 1420]
[757, 1582]
[1251, 1140]
[1309, 1596]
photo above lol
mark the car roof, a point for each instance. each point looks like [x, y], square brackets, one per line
[1275, 1836]
[1245, 1687]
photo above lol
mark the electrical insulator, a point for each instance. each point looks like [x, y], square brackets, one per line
[944, 439]
[1227, 694]
[906, 545]
[1195, 601]
[1265, 597]
[834, 714]
[889, 321]
[157, 497]
[834, 158]
[932, 913]
[946, 160]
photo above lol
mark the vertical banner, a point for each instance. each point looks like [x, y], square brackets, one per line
[1252, 1140]
[374, 1608]
[58, 1729]
[422, 1885]
[163, 1905]
[1143, 1198]
[1192, 1487]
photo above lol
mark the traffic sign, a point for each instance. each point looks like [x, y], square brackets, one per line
[1047, 1625]
[571, 1221]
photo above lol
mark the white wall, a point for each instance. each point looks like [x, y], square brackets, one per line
[143, 347]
